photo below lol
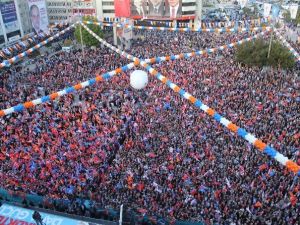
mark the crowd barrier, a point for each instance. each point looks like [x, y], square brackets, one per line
[259, 144]
[129, 216]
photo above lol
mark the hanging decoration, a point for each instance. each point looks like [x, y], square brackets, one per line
[186, 29]
[9, 62]
[263, 147]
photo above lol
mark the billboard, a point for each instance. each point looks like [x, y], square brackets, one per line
[138, 8]
[161, 9]
[173, 8]
[84, 7]
[10, 20]
[38, 16]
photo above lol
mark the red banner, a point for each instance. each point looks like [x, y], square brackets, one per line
[122, 8]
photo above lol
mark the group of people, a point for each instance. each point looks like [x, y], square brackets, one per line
[151, 150]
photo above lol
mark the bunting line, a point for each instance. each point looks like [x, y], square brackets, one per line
[290, 48]
[259, 144]
[9, 62]
[68, 90]
[203, 52]
[184, 29]
[179, 56]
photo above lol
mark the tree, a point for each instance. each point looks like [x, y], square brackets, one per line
[297, 20]
[87, 38]
[255, 53]
[287, 16]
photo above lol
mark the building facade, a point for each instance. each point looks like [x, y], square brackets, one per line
[59, 10]
[14, 20]
[105, 8]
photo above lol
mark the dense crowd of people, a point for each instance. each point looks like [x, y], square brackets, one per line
[151, 150]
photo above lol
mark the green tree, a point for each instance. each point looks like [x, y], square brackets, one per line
[297, 20]
[255, 53]
[287, 16]
[87, 38]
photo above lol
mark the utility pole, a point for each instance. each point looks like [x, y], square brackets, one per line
[271, 40]
[82, 48]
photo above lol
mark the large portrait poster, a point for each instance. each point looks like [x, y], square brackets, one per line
[173, 9]
[148, 9]
[38, 16]
[138, 8]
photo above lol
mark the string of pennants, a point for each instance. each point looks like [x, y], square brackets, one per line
[21, 107]
[186, 29]
[27, 41]
[259, 144]
[290, 48]
[7, 52]
[206, 24]
[232, 127]
[9, 62]
[263, 147]
[212, 24]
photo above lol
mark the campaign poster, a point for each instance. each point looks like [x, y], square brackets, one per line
[156, 8]
[10, 20]
[167, 9]
[38, 16]
[173, 9]
[122, 8]
[138, 8]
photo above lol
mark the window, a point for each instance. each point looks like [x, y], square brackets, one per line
[108, 11]
[107, 3]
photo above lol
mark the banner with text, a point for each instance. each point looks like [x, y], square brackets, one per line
[10, 20]
[16, 215]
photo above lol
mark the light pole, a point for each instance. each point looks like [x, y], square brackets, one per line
[82, 48]
[271, 40]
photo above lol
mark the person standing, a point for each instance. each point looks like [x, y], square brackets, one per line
[37, 217]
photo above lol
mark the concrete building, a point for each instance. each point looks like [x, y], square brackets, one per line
[12, 31]
[105, 8]
[23, 12]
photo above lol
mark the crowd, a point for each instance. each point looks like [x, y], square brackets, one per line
[151, 150]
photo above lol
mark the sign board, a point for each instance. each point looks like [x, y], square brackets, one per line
[16, 215]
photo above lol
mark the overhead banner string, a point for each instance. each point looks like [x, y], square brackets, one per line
[259, 144]
[186, 29]
[21, 107]
[9, 62]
